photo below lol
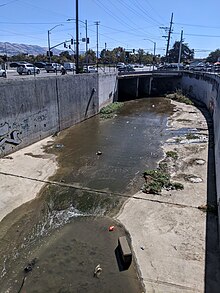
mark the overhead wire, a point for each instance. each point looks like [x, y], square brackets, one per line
[5, 4]
[109, 12]
[139, 7]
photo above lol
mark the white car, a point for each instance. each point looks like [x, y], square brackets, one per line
[27, 69]
[89, 69]
[3, 73]
[53, 67]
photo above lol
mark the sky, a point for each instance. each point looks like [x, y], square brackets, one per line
[131, 24]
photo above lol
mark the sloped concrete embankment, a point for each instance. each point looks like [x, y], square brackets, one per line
[205, 88]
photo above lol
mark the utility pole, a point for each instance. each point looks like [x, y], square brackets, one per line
[86, 24]
[48, 37]
[77, 37]
[97, 43]
[180, 49]
[169, 35]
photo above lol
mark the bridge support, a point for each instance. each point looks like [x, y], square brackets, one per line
[150, 85]
[137, 87]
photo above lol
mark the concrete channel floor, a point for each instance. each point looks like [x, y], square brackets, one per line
[169, 233]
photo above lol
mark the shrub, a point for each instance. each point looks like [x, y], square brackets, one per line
[172, 154]
[110, 110]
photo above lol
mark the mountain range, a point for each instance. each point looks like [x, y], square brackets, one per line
[15, 49]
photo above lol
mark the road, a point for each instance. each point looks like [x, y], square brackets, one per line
[12, 73]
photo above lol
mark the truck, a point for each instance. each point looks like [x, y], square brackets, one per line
[69, 66]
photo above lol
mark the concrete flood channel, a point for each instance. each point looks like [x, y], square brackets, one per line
[64, 233]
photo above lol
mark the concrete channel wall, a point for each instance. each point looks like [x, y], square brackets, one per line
[205, 87]
[34, 108]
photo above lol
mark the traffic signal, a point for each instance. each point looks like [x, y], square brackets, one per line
[64, 45]
[4, 58]
[49, 53]
[71, 41]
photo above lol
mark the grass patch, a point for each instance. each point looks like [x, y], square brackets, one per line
[172, 154]
[179, 97]
[110, 110]
[178, 140]
[156, 180]
[192, 136]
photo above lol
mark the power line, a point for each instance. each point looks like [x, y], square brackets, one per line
[5, 4]
[109, 12]
[198, 35]
[198, 25]
[144, 11]
[134, 11]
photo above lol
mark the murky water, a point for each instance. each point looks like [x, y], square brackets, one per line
[66, 228]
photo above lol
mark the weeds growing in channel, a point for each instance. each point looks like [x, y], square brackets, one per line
[192, 136]
[179, 97]
[172, 154]
[110, 110]
[157, 179]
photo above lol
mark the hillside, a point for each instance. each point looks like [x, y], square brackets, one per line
[15, 49]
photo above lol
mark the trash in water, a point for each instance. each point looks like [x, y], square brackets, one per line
[111, 228]
[59, 146]
[30, 266]
[99, 153]
[97, 271]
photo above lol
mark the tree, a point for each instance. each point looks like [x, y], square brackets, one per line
[187, 54]
[213, 56]
[65, 54]
[118, 55]
[90, 56]
[140, 56]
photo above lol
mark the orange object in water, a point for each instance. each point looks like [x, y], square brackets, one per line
[111, 228]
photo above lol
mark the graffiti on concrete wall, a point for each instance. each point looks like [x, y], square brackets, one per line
[8, 135]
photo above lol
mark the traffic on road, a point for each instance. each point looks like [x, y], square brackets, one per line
[41, 69]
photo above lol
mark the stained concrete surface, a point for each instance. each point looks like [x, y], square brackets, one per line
[176, 243]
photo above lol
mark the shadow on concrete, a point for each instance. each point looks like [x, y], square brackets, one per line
[212, 253]
[121, 265]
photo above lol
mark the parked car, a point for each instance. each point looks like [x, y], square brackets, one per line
[3, 73]
[69, 66]
[199, 68]
[171, 66]
[40, 64]
[126, 68]
[53, 67]
[89, 69]
[120, 64]
[216, 68]
[27, 69]
[17, 63]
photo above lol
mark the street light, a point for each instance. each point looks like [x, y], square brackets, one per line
[48, 35]
[86, 28]
[154, 50]
[77, 41]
